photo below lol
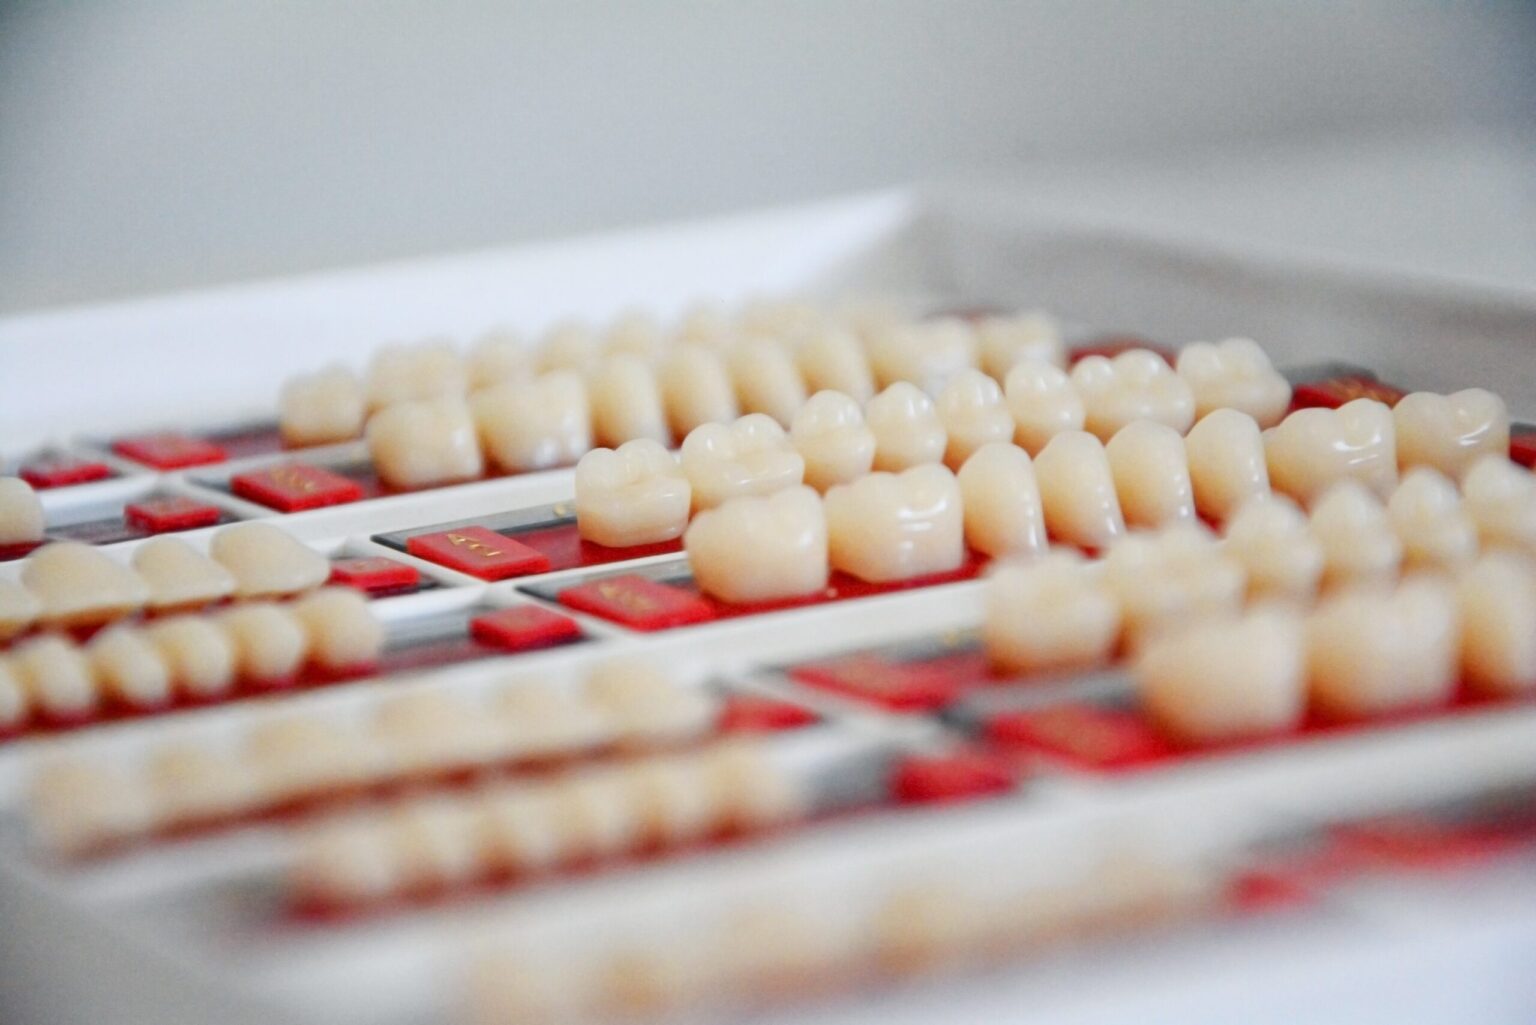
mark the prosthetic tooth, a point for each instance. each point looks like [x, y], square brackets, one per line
[1006, 341]
[626, 402]
[534, 425]
[1049, 615]
[198, 654]
[21, 513]
[1151, 471]
[321, 408]
[907, 428]
[1359, 546]
[350, 862]
[759, 549]
[128, 667]
[268, 562]
[268, 641]
[428, 733]
[569, 345]
[406, 373]
[647, 708]
[1044, 403]
[748, 790]
[193, 784]
[57, 676]
[424, 443]
[675, 806]
[79, 808]
[1496, 601]
[1373, 651]
[299, 756]
[543, 721]
[636, 495]
[766, 379]
[76, 585]
[831, 359]
[1427, 517]
[1001, 502]
[1135, 385]
[925, 354]
[437, 843]
[1077, 490]
[520, 831]
[1227, 463]
[886, 526]
[1234, 374]
[1166, 580]
[780, 318]
[973, 413]
[499, 357]
[635, 333]
[595, 811]
[343, 634]
[706, 324]
[18, 609]
[696, 389]
[1312, 449]
[1270, 538]
[179, 576]
[752, 456]
[830, 434]
[15, 706]
[1450, 432]
[1500, 496]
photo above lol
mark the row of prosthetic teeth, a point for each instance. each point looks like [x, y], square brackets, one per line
[55, 679]
[507, 833]
[303, 762]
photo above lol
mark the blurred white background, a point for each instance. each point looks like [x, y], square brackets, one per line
[174, 143]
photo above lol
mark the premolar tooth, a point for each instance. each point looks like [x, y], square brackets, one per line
[1500, 496]
[343, 634]
[1151, 472]
[21, 514]
[1312, 449]
[1359, 546]
[831, 359]
[1167, 580]
[636, 333]
[907, 428]
[696, 389]
[19, 609]
[403, 373]
[1043, 402]
[888, 526]
[1373, 651]
[831, 436]
[1270, 537]
[1001, 499]
[635, 495]
[766, 379]
[198, 654]
[758, 549]
[321, 408]
[57, 676]
[1496, 600]
[1234, 374]
[268, 562]
[1450, 432]
[925, 354]
[269, 642]
[626, 402]
[424, 443]
[752, 456]
[129, 667]
[498, 357]
[1134, 385]
[1048, 615]
[1427, 517]
[78, 585]
[1077, 489]
[179, 576]
[1006, 341]
[534, 425]
[569, 345]
[646, 707]
[1227, 463]
[973, 413]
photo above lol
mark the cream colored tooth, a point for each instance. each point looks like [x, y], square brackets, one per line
[1006, 341]
[19, 609]
[344, 636]
[534, 425]
[886, 526]
[780, 318]
[424, 443]
[1312, 449]
[748, 789]
[696, 389]
[269, 642]
[596, 812]
[636, 333]
[321, 408]
[348, 862]
[406, 373]
[437, 840]
[194, 784]
[76, 585]
[831, 436]
[498, 357]
[198, 654]
[299, 756]
[1227, 680]
[635, 495]
[1427, 517]
[1134, 385]
[831, 359]
[1500, 496]
[1043, 402]
[542, 721]
[626, 402]
[1234, 374]
[569, 345]
[267, 561]
[973, 413]
[1151, 471]
[57, 676]
[1166, 580]
[925, 354]
[128, 667]
[1270, 537]
[1496, 602]
[907, 428]
[1001, 500]
[520, 831]
[15, 706]
[179, 576]
[1077, 490]
[1450, 432]
[766, 379]
[21, 513]
[1359, 546]
[646, 707]
[77, 808]
[924, 930]
[430, 732]
[1227, 465]
[1373, 651]
[706, 324]
[759, 549]
[674, 801]
[1048, 615]
[752, 456]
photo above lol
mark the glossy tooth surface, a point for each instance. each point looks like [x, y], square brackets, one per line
[925, 354]
[696, 389]
[906, 426]
[1001, 501]
[534, 425]
[1227, 463]
[759, 549]
[1427, 517]
[749, 790]
[831, 359]
[645, 706]
[569, 345]
[626, 402]
[1077, 490]
[973, 413]
[1044, 403]
[21, 514]
[1047, 615]
[1006, 341]
[1269, 536]
[78, 808]
[1496, 602]
[344, 634]
[129, 667]
[1500, 496]
[269, 642]
[1151, 472]
[1167, 580]
[301, 755]
[1312, 449]
[198, 654]
[596, 812]
[194, 784]
[752, 456]
[78, 585]
[57, 675]
[437, 843]
[1373, 650]
[1359, 546]
[1227, 680]
[634, 333]
[1450, 432]
[267, 561]
[180, 576]
[404, 373]
[499, 356]
[633, 495]
[321, 408]
[19, 609]
[887, 526]
[15, 706]
[1234, 374]
[543, 721]
[430, 732]
[766, 379]
[1134, 385]
[831, 436]
[424, 443]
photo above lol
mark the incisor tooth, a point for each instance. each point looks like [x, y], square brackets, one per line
[569, 345]
[321, 408]
[635, 495]
[1077, 490]
[1169, 579]
[696, 389]
[1500, 496]
[1270, 537]
[1427, 517]
[646, 707]
[57, 676]
[21, 514]
[758, 549]
[1049, 615]
[534, 425]
[424, 443]
[1006, 341]
[78, 808]
[343, 634]
[1134, 385]
[179, 576]
[973, 413]
[499, 356]
[1043, 402]
[626, 402]
[404, 373]
[752, 456]
[15, 708]
[1450, 432]
[78, 585]
[194, 784]
[1001, 500]
[925, 354]
[1496, 600]
[907, 428]
[830, 434]
[766, 379]
[1312, 449]
[1358, 544]
[429, 732]
[1227, 464]
[197, 653]
[269, 642]
[887, 526]
[129, 667]
[831, 359]
[267, 561]
[1234, 374]
[1373, 650]
[19, 609]
[1151, 472]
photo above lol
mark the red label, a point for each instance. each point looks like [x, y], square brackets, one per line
[523, 627]
[163, 515]
[374, 574]
[1522, 446]
[1101, 738]
[294, 487]
[748, 713]
[1335, 391]
[479, 552]
[59, 473]
[169, 451]
[902, 686]
[638, 602]
[956, 776]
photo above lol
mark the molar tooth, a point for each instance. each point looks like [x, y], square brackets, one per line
[1496, 599]
[1312, 449]
[534, 425]
[647, 707]
[1227, 463]
[198, 654]
[343, 634]
[424, 443]
[79, 586]
[766, 379]
[973, 413]
[1043, 402]
[1169, 579]
[19, 609]
[831, 359]
[888, 526]
[752, 456]
[1006, 341]
[1077, 490]
[1001, 502]
[179, 576]
[626, 402]
[498, 357]
[635, 495]
[907, 428]
[1270, 537]
[129, 667]
[1151, 471]
[1450, 432]
[696, 389]
[1359, 546]
[830, 434]
[403, 373]
[268, 641]
[1500, 496]
[758, 549]
[1049, 615]
[1427, 517]
[1234, 374]
[568, 345]
[925, 354]
[57, 676]
[1134, 385]
[1373, 651]
[268, 562]
[321, 408]
[21, 514]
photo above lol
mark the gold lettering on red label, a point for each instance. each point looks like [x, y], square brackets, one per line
[480, 548]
